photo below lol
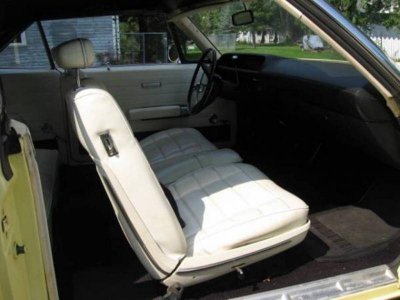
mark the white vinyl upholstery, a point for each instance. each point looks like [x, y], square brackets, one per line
[175, 152]
[234, 214]
[162, 149]
[229, 206]
[226, 208]
[74, 54]
[171, 170]
[174, 144]
[128, 179]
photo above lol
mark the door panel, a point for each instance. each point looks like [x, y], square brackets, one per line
[224, 110]
[155, 112]
[34, 99]
[159, 87]
[146, 86]
[27, 270]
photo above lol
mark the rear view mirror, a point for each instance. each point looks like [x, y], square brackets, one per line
[242, 18]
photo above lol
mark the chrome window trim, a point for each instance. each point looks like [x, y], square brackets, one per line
[362, 38]
[353, 41]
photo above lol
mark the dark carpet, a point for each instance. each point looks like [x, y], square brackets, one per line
[94, 261]
[351, 232]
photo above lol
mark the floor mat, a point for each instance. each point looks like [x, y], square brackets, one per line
[351, 232]
[383, 198]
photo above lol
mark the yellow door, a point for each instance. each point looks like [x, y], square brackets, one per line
[26, 270]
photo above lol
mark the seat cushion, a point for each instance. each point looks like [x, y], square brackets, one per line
[169, 174]
[229, 206]
[166, 147]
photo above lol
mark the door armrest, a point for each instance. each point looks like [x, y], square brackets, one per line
[156, 112]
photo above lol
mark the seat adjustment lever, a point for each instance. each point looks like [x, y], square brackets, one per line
[240, 273]
[109, 144]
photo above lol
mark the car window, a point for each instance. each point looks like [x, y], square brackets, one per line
[190, 51]
[378, 19]
[118, 40]
[274, 31]
[27, 51]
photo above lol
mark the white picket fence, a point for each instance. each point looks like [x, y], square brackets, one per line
[246, 37]
[391, 46]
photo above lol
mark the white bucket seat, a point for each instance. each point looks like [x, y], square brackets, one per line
[162, 149]
[234, 215]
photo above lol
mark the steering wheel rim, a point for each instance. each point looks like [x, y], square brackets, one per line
[208, 64]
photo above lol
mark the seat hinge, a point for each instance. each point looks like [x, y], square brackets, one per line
[174, 292]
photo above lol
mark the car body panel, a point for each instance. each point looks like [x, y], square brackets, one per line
[26, 272]
[390, 291]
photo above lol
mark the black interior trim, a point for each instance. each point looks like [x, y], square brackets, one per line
[173, 204]
[9, 141]
[46, 45]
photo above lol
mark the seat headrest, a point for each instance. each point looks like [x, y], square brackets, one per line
[74, 54]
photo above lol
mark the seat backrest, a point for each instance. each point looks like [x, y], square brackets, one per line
[140, 204]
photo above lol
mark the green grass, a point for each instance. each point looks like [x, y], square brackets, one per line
[291, 51]
[288, 51]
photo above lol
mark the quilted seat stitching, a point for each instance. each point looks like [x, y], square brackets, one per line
[189, 209]
[232, 188]
[160, 152]
[227, 185]
[194, 144]
[263, 187]
[191, 237]
[249, 221]
[208, 196]
[155, 141]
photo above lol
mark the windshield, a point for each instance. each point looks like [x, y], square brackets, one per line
[276, 32]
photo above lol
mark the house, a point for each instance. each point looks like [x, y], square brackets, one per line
[29, 43]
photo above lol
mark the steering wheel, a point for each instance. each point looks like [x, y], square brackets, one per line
[205, 83]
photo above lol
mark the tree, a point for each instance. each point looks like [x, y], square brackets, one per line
[138, 46]
[270, 16]
[216, 20]
[266, 16]
[128, 43]
[365, 13]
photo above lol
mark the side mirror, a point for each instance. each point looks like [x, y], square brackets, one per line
[173, 54]
[243, 18]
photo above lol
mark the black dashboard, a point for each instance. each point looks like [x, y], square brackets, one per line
[326, 99]
[340, 74]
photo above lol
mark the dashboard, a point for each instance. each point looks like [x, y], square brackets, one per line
[326, 99]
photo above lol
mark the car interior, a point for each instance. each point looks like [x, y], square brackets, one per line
[236, 174]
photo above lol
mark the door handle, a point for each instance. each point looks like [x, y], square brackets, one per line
[150, 85]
